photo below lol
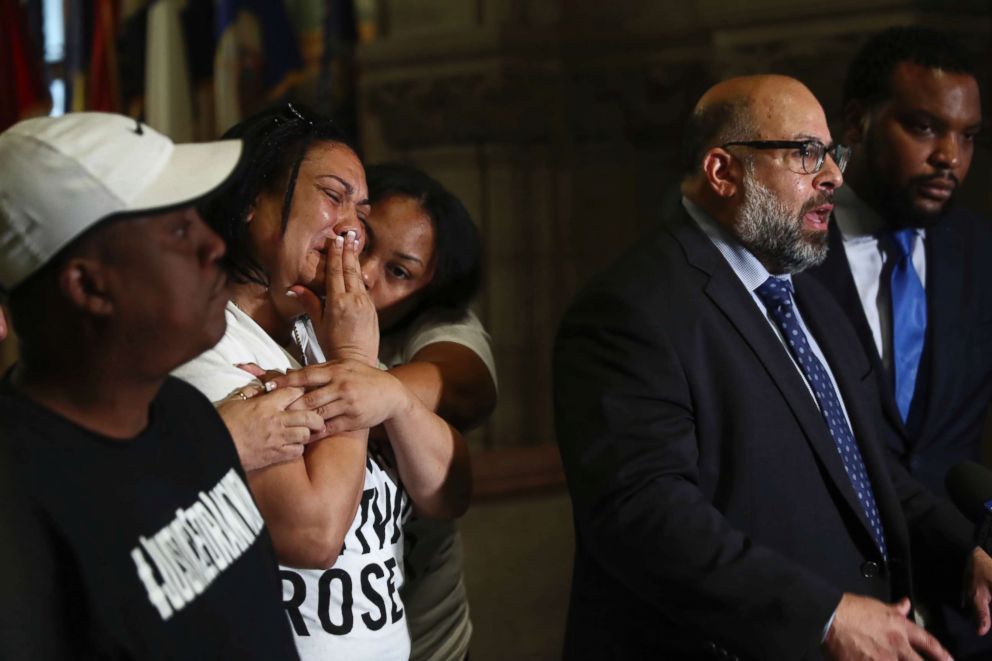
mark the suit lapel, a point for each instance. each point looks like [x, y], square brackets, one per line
[944, 290]
[849, 373]
[729, 295]
[835, 274]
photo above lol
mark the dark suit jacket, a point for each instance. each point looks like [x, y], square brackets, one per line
[713, 516]
[954, 388]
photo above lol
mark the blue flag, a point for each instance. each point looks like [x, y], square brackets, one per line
[257, 59]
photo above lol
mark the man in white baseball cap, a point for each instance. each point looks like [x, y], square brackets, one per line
[127, 530]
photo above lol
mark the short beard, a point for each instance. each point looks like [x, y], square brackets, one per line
[895, 203]
[774, 234]
[898, 209]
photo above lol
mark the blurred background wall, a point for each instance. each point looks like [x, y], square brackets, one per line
[556, 121]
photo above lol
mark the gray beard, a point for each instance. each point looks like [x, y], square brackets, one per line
[774, 234]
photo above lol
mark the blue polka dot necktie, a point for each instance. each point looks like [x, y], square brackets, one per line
[776, 294]
[909, 317]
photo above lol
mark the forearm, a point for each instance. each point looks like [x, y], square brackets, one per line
[309, 504]
[431, 456]
[452, 381]
[432, 459]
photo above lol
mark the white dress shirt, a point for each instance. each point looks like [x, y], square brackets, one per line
[859, 226]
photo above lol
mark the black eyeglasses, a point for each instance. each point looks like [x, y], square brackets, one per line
[812, 152]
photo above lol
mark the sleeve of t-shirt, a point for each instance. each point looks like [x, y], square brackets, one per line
[461, 327]
[215, 374]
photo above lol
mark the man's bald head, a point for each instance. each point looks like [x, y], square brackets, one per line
[750, 140]
[734, 110]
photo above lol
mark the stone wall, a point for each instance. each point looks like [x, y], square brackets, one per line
[557, 122]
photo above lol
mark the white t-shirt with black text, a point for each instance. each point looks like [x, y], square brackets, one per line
[354, 609]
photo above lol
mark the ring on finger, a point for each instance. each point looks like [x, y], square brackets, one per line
[247, 394]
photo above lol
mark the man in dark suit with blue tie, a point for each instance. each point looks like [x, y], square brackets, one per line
[910, 268]
[717, 421]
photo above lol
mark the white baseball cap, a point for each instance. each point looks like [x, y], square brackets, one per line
[59, 176]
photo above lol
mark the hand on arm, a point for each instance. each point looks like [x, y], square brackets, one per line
[264, 430]
[309, 504]
[350, 393]
[865, 628]
[347, 394]
[431, 456]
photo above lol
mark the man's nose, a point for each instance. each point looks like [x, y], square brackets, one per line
[829, 177]
[947, 152]
[212, 247]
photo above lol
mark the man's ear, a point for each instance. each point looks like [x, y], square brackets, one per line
[857, 118]
[84, 282]
[3, 325]
[721, 171]
[250, 215]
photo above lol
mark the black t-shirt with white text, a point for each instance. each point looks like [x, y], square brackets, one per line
[149, 548]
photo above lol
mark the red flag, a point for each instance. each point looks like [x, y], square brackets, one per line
[22, 86]
[102, 85]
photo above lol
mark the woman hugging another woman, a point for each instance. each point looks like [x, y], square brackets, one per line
[422, 264]
[293, 223]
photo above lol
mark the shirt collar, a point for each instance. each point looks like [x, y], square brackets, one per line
[856, 220]
[751, 272]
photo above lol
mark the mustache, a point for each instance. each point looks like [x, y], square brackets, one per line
[941, 175]
[825, 197]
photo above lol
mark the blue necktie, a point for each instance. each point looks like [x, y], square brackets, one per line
[909, 318]
[776, 294]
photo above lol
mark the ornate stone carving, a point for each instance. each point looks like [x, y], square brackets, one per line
[464, 108]
[562, 119]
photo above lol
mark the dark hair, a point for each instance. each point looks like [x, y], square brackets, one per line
[458, 248]
[276, 140]
[714, 124]
[870, 72]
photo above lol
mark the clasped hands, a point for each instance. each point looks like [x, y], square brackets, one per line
[309, 404]
[348, 392]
